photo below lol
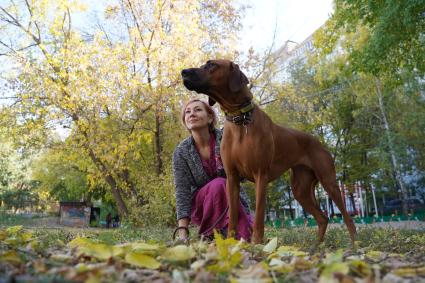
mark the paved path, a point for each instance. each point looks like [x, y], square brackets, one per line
[407, 225]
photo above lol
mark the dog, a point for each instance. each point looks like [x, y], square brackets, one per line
[255, 148]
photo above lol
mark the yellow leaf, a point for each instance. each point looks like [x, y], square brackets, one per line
[11, 257]
[39, 266]
[141, 260]
[14, 229]
[13, 241]
[301, 264]
[61, 257]
[179, 253]
[336, 267]
[3, 235]
[79, 242]
[360, 268]
[405, 272]
[101, 251]
[26, 236]
[144, 247]
[271, 246]
[374, 255]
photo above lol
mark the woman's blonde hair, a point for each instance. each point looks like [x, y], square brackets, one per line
[208, 108]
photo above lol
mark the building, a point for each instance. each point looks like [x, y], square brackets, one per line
[74, 213]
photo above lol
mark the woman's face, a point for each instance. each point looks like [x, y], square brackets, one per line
[196, 116]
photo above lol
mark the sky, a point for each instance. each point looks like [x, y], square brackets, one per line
[293, 20]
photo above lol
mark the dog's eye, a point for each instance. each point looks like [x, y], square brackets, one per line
[210, 65]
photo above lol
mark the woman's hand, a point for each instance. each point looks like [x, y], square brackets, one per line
[182, 232]
[183, 236]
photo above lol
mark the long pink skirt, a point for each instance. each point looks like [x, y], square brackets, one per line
[210, 211]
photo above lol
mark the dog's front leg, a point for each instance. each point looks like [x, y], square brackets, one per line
[260, 206]
[233, 188]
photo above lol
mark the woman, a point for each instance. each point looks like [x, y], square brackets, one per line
[199, 177]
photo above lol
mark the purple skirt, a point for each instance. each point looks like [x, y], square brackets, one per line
[210, 211]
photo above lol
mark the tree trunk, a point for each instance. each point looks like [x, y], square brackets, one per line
[331, 208]
[394, 163]
[122, 208]
[290, 203]
[158, 145]
[125, 176]
[353, 203]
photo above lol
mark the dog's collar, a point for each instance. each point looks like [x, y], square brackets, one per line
[242, 116]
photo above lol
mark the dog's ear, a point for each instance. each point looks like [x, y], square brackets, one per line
[211, 101]
[237, 78]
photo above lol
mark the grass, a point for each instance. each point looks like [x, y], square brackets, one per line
[368, 237]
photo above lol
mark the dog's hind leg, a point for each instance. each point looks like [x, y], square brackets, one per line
[332, 188]
[325, 171]
[303, 183]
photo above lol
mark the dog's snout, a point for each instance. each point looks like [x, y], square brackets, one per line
[186, 72]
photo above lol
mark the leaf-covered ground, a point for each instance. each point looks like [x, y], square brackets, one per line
[130, 255]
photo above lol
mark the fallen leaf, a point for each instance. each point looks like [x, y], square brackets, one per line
[80, 242]
[11, 257]
[196, 265]
[405, 272]
[374, 256]
[141, 260]
[271, 246]
[255, 273]
[100, 251]
[3, 235]
[140, 246]
[290, 251]
[360, 268]
[178, 253]
[330, 270]
[301, 264]
[14, 229]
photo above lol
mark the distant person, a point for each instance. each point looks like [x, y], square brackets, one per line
[116, 221]
[108, 220]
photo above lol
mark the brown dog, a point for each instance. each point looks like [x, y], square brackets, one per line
[259, 150]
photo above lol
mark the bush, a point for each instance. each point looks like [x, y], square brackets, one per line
[158, 192]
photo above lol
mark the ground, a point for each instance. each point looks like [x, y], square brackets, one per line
[42, 251]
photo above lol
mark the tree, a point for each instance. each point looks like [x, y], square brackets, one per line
[395, 34]
[351, 37]
[113, 91]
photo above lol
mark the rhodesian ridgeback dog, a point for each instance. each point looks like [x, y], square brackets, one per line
[255, 148]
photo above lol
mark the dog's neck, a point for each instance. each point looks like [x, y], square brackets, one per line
[243, 116]
[234, 107]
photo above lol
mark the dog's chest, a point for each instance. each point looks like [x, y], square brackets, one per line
[246, 152]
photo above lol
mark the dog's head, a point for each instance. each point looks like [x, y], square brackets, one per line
[221, 80]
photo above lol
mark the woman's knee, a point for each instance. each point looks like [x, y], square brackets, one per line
[218, 186]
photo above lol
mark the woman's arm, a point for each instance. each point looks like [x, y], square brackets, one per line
[183, 189]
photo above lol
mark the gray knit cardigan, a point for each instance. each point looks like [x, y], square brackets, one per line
[190, 176]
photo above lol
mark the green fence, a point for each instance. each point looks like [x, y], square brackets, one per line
[299, 222]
